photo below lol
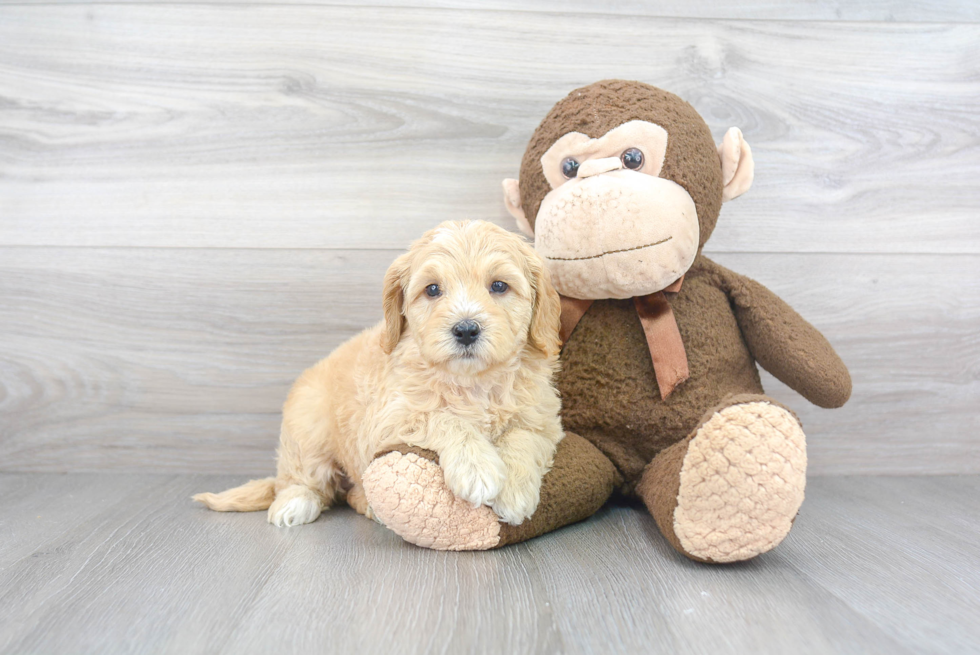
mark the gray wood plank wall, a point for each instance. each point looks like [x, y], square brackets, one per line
[199, 200]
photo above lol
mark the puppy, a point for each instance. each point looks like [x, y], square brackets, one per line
[462, 364]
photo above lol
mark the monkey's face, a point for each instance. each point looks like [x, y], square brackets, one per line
[611, 227]
[621, 185]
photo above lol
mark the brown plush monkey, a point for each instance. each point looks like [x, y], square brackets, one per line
[620, 187]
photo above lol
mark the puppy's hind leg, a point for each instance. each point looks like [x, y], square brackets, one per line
[295, 505]
[308, 477]
[307, 484]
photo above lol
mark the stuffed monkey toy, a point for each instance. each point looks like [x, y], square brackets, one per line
[620, 188]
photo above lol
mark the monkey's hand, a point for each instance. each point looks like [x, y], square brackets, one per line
[785, 344]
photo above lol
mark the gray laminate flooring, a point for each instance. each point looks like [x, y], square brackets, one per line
[102, 563]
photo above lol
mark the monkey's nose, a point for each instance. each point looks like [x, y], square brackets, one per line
[466, 332]
[591, 167]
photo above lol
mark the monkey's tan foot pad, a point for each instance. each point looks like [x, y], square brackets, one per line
[409, 496]
[741, 483]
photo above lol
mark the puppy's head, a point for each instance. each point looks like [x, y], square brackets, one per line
[472, 295]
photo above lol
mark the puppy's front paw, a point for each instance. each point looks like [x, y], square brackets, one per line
[518, 498]
[474, 474]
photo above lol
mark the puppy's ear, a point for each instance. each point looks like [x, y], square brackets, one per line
[543, 334]
[394, 302]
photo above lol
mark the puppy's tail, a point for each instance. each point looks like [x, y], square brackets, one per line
[250, 497]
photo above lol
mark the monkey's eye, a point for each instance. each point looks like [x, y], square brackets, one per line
[632, 158]
[569, 167]
[433, 291]
[498, 287]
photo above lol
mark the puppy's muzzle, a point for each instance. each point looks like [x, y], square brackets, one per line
[466, 332]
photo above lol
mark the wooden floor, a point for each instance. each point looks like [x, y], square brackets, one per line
[107, 564]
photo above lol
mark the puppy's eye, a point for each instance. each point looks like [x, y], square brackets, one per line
[433, 291]
[498, 287]
[569, 167]
[632, 158]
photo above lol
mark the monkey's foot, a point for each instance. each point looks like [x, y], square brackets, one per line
[409, 495]
[407, 491]
[739, 486]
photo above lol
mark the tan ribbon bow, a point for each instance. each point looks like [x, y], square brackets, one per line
[659, 326]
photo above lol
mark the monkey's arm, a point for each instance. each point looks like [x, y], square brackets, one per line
[785, 344]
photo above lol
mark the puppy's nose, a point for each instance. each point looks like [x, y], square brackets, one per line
[466, 331]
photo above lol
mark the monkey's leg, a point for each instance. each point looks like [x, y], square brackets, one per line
[731, 490]
[406, 491]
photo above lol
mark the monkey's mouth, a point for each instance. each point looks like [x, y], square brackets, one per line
[608, 252]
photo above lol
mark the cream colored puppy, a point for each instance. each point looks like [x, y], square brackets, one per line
[462, 364]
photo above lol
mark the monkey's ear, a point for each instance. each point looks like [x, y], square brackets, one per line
[512, 198]
[737, 167]
[394, 301]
